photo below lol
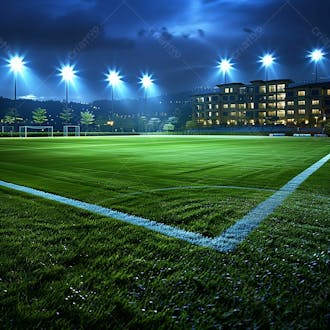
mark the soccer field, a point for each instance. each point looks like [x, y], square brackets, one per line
[201, 184]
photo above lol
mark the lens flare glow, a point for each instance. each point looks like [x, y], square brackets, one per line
[267, 60]
[225, 65]
[67, 72]
[316, 55]
[146, 81]
[16, 64]
[114, 78]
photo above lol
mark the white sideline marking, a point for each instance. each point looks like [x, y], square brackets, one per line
[225, 242]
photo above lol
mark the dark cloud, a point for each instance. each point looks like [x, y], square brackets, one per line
[165, 37]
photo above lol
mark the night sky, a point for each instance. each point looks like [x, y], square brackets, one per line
[178, 41]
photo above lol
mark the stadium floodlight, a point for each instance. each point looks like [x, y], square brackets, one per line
[267, 61]
[68, 74]
[225, 66]
[114, 78]
[316, 56]
[16, 64]
[146, 81]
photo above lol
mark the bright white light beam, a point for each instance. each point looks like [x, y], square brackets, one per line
[114, 78]
[16, 64]
[67, 73]
[146, 81]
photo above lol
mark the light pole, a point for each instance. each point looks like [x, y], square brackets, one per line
[225, 66]
[267, 61]
[316, 56]
[16, 65]
[114, 79]
[68, 74]
[146, 81]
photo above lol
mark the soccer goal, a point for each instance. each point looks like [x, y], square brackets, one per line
[7, 129]
[67, 128]
[23, 130]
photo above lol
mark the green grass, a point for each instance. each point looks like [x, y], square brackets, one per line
[65, 268]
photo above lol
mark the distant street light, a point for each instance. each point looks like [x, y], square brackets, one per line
[68, 74]
[16, 64]
[225, 66]
[114, 79]
[316, 56]
[267, 61]
[146, 81]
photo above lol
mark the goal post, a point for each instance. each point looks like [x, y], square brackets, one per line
[23, 130]
[67, 128]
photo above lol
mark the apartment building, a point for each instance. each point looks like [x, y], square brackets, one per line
[264, 103]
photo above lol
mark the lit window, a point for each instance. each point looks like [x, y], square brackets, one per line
[229, 90]
[272, 88]
[233, 113]
[281, 96]
[315, 102]
[225, 106]
[217, 122]
[262, 89]
[251, 105]
[328, 91]
[210, 106]
[281, 88]
[290, 102]
[281, 113]
[217, 106]
[290, 112]
[202, 99]
[301, 111]
[233, 106]
[242, 106]
[301, 93]
[210, 113]
[301, 102]
[262, 105]
[271, 113]
[281, 105]
[316, 111]
[217, 113]
[290, 120]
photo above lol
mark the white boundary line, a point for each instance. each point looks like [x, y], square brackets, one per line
[226, 242]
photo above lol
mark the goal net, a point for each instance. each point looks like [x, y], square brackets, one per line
[24, 130]
[74, 129]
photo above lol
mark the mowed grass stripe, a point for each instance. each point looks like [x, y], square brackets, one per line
[224, 243]
[105, 171]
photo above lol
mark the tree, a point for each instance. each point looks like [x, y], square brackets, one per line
[66, 115]
[191, 124]
[327, 127]
[168, 127]
[12, 116]
[86, 119]
[39, 116]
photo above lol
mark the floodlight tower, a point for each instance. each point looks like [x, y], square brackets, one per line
[16, 65]
[114, 79]
[146, 81]
[68, 74]
[316, 56]
[225, 66]
[267, 61]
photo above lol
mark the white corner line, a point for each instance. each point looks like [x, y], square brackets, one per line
[226, 242]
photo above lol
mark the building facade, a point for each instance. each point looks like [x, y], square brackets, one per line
[264, 103]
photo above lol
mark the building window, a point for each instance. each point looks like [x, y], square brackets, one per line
[210, 113]
[233, 114]
[242, 106]
[301, 111]
[272, 88]
[229, 90]
[301, 102]
[271, 113]
[217, 114]
[301, 93]
[290, 120]
[328, 91]
[281, 96]
[281, 113]
[262, 105]
[217, 122]
[315, 102]
[281, 88]
[210, 106]
[217, 106]
[262, 89]
[281, 105]
[233, 106]
[316, 111]
[251, 105]
[242, 90]
[315, 92]
[290, 112]
[290, 103]
[226, 106]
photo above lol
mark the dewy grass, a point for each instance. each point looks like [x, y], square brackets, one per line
[108, 171]
[66, 268]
